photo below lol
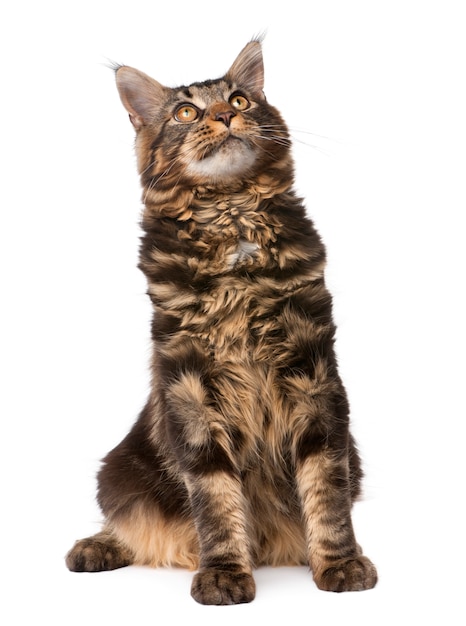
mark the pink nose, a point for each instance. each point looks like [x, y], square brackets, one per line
[225, 117]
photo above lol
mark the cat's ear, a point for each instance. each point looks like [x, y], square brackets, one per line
[140, 94]
[248, 69]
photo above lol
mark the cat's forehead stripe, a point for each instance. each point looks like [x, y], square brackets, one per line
[204, 95]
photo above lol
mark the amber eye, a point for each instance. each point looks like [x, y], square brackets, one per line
[186, 113]
[239, 102]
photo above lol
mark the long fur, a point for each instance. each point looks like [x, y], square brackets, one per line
[242, 456]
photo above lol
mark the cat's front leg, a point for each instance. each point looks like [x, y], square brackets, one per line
[225, 574]
[335, 557]
[200, 439]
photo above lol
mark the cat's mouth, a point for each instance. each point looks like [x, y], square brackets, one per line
[230, 157]
[231, 142]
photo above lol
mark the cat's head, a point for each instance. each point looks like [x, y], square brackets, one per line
[215, 133]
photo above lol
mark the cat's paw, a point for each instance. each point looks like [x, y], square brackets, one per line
[94, 555]
[355, 574]
[214, 586]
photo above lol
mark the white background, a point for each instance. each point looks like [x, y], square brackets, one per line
[379, 88]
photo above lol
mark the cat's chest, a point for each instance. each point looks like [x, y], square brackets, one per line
[229, 253]
[243, 252]
[229, 233]
[236, 315]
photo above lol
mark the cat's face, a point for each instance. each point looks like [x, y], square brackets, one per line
[221, 131]
[215, 132]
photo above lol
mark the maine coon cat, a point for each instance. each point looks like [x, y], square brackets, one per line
[242, 456]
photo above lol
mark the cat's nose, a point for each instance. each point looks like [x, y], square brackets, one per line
[224, 116]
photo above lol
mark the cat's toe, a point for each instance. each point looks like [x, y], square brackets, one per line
[91, 555]
[355, 574]
[219, 587]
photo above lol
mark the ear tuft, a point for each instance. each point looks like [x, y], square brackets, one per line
[140, 94]
[248, 68]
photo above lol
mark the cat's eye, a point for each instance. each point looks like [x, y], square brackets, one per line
[239, 102]
[186, 113]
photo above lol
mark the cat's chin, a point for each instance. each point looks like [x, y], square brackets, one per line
[231, 159]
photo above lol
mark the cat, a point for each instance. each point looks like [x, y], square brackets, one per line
[242, 455]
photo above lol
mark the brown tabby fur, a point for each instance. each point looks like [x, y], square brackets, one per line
[242, 456]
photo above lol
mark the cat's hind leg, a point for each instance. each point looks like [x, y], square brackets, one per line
[100, 552]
